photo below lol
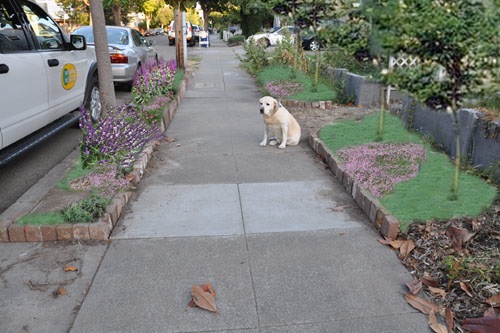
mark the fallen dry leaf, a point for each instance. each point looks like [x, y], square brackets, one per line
[434, 323]
[421, 304]
[70, 268]
[169, 139]
[437, 291]
[465, 288]
[494, 301]
[492, 312]
[204, 299]
[406, 248]
[482, 325]
[414, 286]
[60, 291]
[430, 281]
[449, 319]
[459, 236]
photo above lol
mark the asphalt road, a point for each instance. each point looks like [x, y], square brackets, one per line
[21, 174]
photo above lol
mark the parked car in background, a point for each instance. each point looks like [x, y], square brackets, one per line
[311, 43]
[159, 31]
[188, 31]
[272, 38]
[45, 76]
[128, 50]
[196, 32]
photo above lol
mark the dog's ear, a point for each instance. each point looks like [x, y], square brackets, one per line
[276, 105]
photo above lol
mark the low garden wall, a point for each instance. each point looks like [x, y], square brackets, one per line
[361, 90]
[480, 139]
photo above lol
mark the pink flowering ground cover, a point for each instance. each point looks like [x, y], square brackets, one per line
[378, 167]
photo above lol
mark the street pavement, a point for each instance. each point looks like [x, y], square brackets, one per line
[275, 234]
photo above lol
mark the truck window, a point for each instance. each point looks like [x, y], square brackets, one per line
[46, 31]
[12, 36]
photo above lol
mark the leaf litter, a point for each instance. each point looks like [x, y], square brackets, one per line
[456, 270]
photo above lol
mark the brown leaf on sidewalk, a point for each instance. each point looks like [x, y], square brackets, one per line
[437, 291]
[204, 299]
[70, 268]
[169, 139]
[421, 304]
[465, 288]
[482, 325]
[435, 324]
[494, 301]
[414, 286]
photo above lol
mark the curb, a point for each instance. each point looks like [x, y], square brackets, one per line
[384, 222]
[102, 228]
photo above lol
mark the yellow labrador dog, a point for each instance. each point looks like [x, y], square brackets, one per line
[279, 122]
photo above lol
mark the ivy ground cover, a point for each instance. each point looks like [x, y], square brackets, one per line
[425, 195]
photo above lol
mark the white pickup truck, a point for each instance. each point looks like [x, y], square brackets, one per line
[45, 76]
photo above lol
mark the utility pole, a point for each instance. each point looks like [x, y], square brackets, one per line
[179, 39]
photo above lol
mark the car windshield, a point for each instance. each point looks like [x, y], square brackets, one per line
[115, 36]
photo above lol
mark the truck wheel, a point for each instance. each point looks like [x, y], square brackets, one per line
[93, 100]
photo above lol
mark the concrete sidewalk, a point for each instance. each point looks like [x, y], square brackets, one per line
[284, 247]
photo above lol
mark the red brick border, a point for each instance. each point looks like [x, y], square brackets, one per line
[383, 221]
[101, 229]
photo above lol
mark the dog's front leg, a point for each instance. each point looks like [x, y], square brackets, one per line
[284, 129]
[264, 141]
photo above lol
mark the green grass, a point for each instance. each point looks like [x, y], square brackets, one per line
[76, 171]
[42, 219]
[275, 73]
[426, 196]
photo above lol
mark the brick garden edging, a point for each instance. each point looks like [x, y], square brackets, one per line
[384, 222]
[100, 229]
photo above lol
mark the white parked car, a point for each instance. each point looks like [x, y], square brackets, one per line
[272, 38]
[128, 50]
[45, 76]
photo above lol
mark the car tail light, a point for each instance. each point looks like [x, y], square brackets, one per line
[118, 58]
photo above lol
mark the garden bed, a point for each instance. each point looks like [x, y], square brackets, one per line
[55, 199]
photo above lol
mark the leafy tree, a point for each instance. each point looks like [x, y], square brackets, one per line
[210, 6]
[77, 11]
[163, 17]
[458, 37]
[311, 14]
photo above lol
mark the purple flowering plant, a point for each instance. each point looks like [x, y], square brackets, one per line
[378, 167]
[283, 88]
[153, 88]
[116, 138]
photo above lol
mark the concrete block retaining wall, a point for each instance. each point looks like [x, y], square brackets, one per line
[480, 139]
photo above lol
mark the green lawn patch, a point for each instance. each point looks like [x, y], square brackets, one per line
[424, 197]
[284, 74]
[75, 172]
[42, 219]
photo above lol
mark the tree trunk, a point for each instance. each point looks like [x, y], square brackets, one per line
[106, 86]
[117, 15]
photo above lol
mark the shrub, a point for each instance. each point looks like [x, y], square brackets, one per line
[116, 138]
[86, 210]
[255, 58]
[236, 40]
